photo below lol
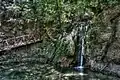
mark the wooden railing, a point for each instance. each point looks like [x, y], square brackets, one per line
[10, 43]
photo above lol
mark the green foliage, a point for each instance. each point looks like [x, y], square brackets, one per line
[61, 11]
[60, 14]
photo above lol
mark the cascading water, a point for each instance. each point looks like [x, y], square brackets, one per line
[83, 28]
[82, 33]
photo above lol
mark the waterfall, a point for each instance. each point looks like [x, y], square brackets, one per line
[82, 47]
[82, 33]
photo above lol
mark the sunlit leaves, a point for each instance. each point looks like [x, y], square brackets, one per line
[61, 12]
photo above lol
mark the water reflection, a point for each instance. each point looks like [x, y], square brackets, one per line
[87, 75]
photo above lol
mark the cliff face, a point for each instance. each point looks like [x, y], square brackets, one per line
[105, 36]
[14, 30]
[11, 22]
[105, 40]
[9, 19]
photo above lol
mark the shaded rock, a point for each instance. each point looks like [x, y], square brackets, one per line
[104, 37]
[105, 68]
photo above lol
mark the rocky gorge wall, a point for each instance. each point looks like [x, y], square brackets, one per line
[104, 51]
[14, 30]
[102, 45]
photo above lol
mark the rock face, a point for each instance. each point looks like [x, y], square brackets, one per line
[14, 30]
[103, 45]
[11, 22]
[114, 49]
[105, 39]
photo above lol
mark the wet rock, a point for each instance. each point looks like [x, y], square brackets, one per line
[65, 62]
[106, 68]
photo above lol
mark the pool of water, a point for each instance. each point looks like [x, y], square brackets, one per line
[35, 70]
[73, 74]
[21, 64]
[38, 71]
